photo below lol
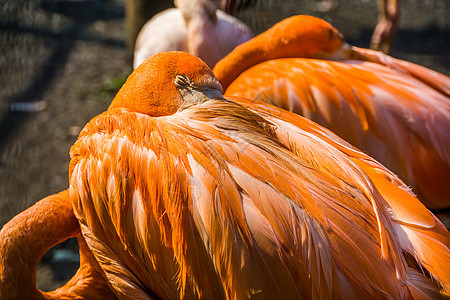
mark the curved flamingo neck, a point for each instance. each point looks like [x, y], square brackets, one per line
[298, 36]
[200, 19]
[26, 238]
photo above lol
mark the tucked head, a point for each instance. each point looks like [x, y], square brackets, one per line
[297, 36]
[314, 37]
[165, 83]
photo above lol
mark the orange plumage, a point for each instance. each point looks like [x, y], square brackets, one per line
[396, 111]
[198, 196]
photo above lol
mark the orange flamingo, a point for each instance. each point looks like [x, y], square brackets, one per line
[24, 240]
[195, 26]
[396, 111]
[181, 193]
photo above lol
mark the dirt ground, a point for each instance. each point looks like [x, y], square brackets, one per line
[66, 60]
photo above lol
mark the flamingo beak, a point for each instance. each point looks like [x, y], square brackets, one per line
[343, 53]
[193, 94]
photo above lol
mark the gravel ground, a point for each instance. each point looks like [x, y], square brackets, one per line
[67, 59]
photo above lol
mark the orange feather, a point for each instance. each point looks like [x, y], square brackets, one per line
[396, 111]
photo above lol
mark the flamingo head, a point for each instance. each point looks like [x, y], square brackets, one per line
[308, 36]
[166, 83]
[299, 36]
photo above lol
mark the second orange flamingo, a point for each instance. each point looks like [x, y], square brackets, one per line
[396, 111]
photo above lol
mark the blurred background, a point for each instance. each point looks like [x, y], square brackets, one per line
[62, 61]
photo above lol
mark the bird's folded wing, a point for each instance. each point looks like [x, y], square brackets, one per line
[394, 117]
[218, 201]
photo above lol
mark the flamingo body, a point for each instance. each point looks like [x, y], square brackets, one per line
[195, 27]
[396, 111]
[182, 193]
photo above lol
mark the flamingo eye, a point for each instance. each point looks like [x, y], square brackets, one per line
[182, 81]
[331, 34]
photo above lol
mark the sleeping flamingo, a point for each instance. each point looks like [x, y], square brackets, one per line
[195, 26]
[181, 193]
[396, 111]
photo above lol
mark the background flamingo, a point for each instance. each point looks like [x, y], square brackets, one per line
[182, 193]
[195, 26]
[396, 111]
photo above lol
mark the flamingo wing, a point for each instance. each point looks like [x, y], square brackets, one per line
[239, 199]
[394, 117]
[396, 111]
